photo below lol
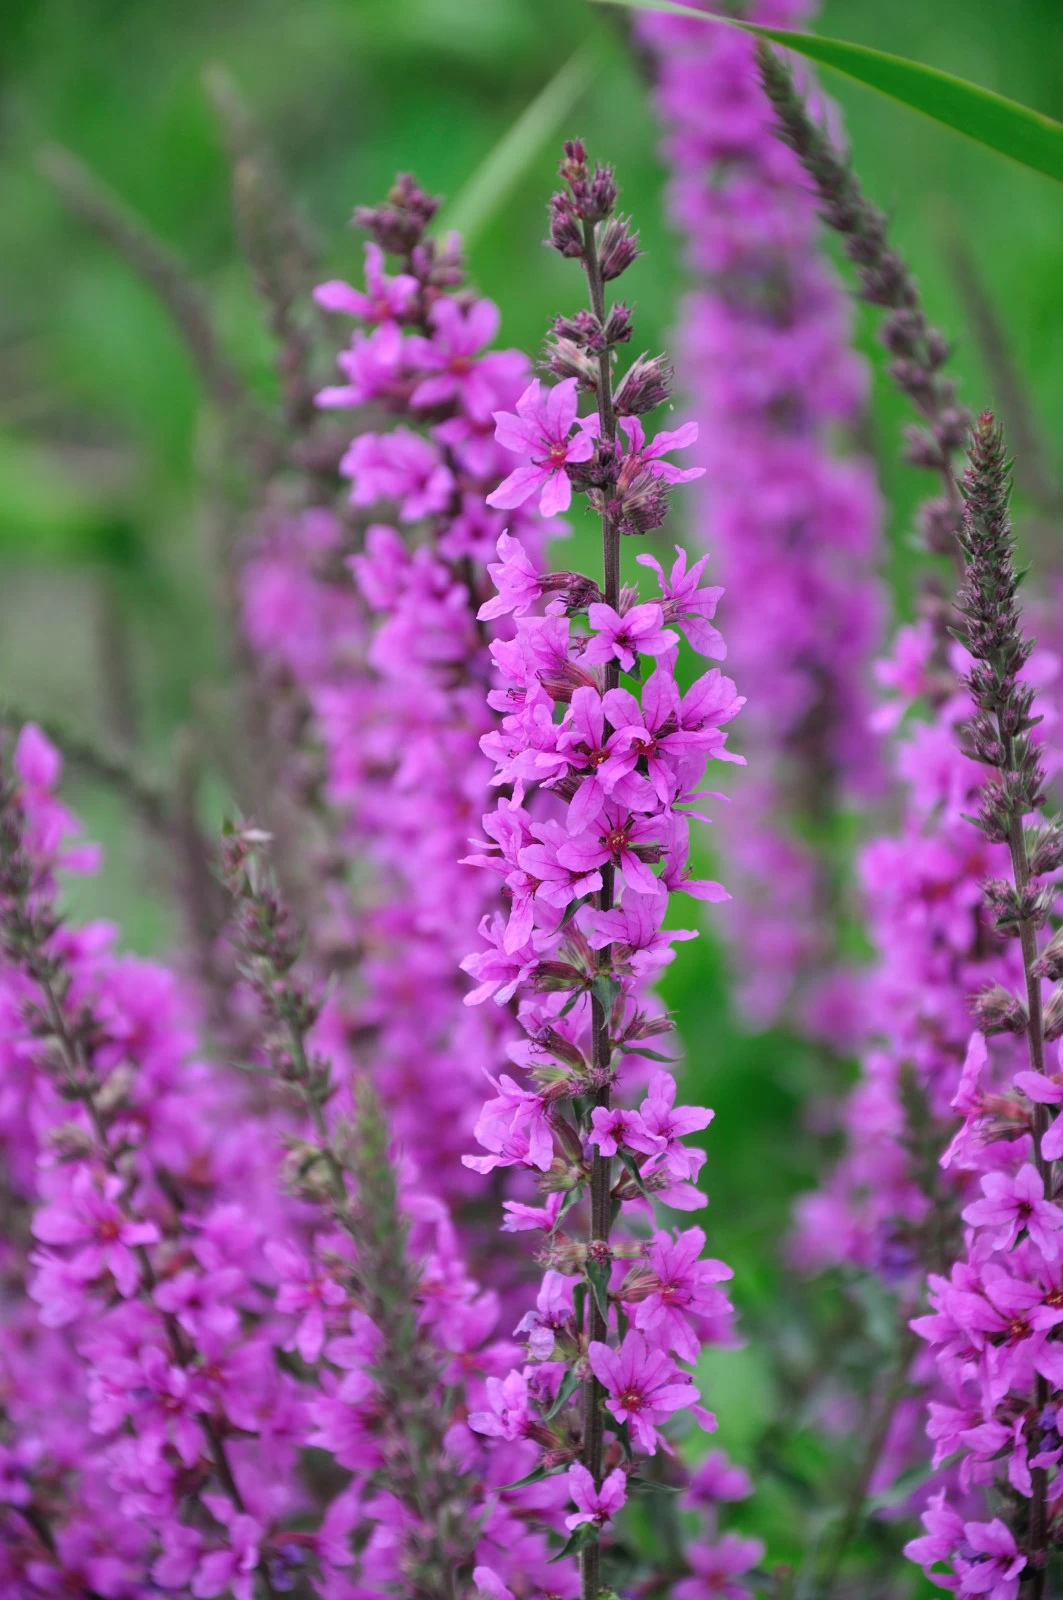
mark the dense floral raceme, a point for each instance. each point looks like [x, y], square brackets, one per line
[890, 1207]
[243, 1351]
[213, 1376]
[793, 525]
[597, 784]
[395, 667]
[992, 1327]
[149, 1431]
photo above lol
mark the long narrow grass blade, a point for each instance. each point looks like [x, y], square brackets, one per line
[494, 180]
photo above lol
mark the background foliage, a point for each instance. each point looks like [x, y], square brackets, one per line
[103, 575]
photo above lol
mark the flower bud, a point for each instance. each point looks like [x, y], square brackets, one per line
[1050, 965]
[1054, 1014]
[938, 523]
[1045, 846]
[566, 235]
[996, 1010]
[583, 329]
[618, 324]
[399, 225]
[646, 385]
[617, 248]
[562, 682]
[565, 359]
[575, 588]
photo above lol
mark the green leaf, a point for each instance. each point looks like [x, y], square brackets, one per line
[629, 1049]
[569, 1384]
[605, 990]
[491, 184]
[598, 1278]
[633, 1167]
[536, 1476]
[1013, 130]
[647, 1486]
[587, 1533]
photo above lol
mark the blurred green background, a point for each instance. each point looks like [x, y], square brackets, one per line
[105, 596]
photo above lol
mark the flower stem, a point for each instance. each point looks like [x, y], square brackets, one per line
[601, 1166]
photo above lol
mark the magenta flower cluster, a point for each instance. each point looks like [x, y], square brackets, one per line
[395, 672]
[793, 525]
[588, 840]
[259, 1334]
[184, 1344]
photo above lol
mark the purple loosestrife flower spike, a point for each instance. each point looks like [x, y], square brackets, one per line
[589, 840]
[392, 669]
[793, 525]
[1003, 1298]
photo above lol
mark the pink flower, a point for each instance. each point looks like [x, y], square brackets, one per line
[459, 374]
[398, 466]
[583, 745]
[89, 1215]
[650, 732]
[717, 1478]
[36, 760]
[621, 838]
[371, 364]
[521, 1218]
[515, 578]
[490, 1585]
[1012, 1204]
[510, 1415]
[991, 1564]
[540, 429]
[304, 1288]
[678, 1284]
[552, 1314]
[1046, 1091]
[672, 1123]
[640, 631]
[515, 1127]
[716, 1566]
[385, 298]
[643, 1386]
[692, 608]
[595, 1505]
[616, 1125]
[634, 929]
[232, 1569]
[648, 456]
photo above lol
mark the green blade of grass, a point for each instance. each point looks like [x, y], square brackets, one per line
[990, 119]
[498, 175]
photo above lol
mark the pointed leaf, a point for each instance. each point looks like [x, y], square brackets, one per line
[569, 1384]
[598, 1278]
[587, 1533]
[990, 119]
[633, 1167]
[535, 1476]
[629, 1049]
[605, 990]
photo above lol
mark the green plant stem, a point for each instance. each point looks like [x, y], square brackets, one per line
[601, 1166]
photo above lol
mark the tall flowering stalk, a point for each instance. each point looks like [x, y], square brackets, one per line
[792, 523]
[992, 1328]
[600, 784]
[347, 1165]
[151, 1277]
[394, 664]
[433, 1505]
